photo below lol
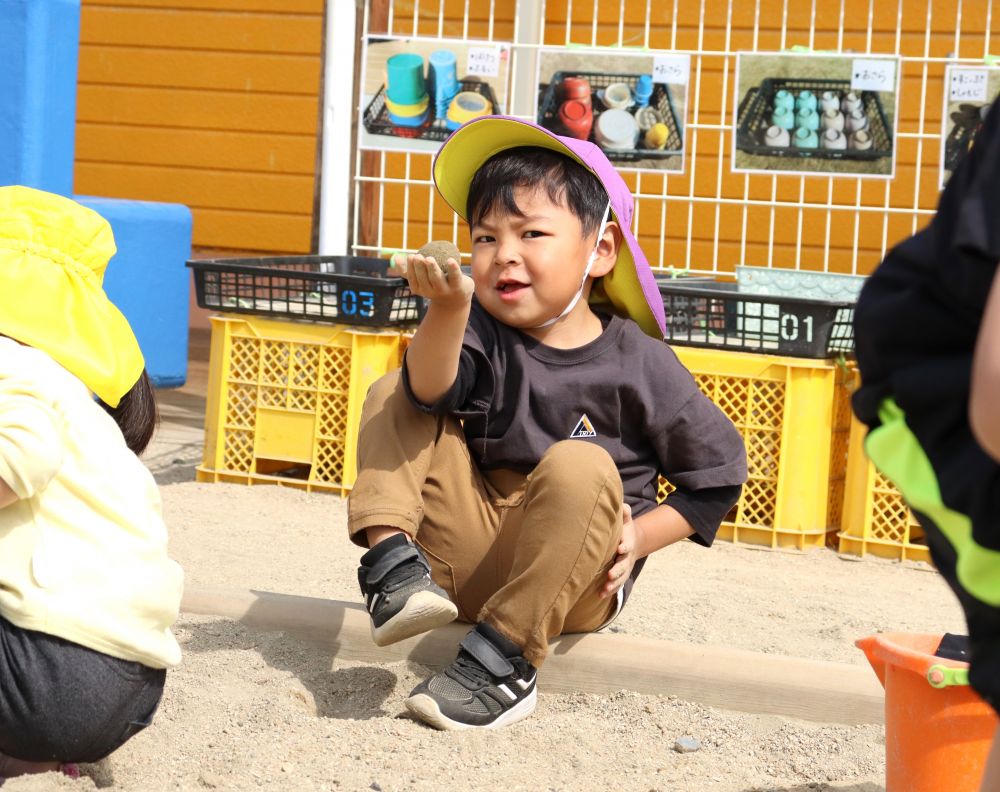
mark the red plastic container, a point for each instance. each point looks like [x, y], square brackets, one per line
[576, 118]
[576, 88]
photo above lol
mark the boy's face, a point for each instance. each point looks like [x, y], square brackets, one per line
[528, 268]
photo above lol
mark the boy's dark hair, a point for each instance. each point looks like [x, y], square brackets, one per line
[136, 414]
[563, 179]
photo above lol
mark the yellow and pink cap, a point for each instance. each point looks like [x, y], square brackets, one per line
[630, 288]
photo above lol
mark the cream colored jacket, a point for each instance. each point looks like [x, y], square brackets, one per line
[83, 552]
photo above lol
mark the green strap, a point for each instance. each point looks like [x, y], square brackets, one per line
[941, 676]
[898, 454]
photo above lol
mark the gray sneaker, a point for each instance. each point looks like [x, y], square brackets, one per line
[401, 598]
[490, 684]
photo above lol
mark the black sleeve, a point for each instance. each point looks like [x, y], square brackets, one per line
[705, 509]
[456, 394]
[698, 447]
[472, 390]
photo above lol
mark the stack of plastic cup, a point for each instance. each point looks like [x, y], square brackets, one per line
[406, 93]
[444, 85]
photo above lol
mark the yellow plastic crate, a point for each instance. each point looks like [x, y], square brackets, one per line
[791, 413]
[284, 400]
[876, 519]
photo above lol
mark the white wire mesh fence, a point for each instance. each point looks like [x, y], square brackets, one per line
[707, 219]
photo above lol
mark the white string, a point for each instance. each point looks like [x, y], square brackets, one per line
[586, 271]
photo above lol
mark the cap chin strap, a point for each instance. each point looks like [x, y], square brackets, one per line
[586, 272]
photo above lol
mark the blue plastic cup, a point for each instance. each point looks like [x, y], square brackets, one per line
[643, 90]
[405, 73]
[443, 80]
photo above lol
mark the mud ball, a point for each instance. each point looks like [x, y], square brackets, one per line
[441, 251]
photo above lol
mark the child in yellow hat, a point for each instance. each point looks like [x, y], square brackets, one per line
[87, 591]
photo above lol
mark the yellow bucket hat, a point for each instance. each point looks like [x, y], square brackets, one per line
[53, 253]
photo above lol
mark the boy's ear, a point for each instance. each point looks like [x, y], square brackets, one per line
[607, 250]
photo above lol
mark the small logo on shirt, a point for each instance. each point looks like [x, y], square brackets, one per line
[584, 428]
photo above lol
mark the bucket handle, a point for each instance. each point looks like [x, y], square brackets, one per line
[940, 676]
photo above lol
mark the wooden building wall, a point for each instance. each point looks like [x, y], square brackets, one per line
[209, 103]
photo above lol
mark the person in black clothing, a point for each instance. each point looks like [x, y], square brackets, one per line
[927, 329]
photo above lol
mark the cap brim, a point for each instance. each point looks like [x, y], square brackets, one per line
[469, 146]
[629, 288]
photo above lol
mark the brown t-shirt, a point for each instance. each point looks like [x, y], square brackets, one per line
[624, 391]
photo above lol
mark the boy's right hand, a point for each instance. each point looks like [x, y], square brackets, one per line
[450, 289]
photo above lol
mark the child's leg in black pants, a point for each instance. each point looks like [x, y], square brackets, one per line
[62, 702]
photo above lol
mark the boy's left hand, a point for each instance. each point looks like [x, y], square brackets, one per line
[625, 558]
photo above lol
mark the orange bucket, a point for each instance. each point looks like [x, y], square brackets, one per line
[938, 731]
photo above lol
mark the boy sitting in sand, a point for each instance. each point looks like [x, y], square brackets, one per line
[533, 516]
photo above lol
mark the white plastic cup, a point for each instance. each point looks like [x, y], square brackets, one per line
[851, 101]
[861, 140]
[830, 100]
[776, 136]
[616, 129]
[856, 120]
[617, 96]
[832, 119]
[833, 139]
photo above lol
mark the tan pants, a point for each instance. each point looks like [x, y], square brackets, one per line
[527, 554]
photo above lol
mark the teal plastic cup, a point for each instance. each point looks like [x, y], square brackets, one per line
[783, 117]
[805, 99]
[805, 138]
[784, 99]
[405, 73]
[808, 118]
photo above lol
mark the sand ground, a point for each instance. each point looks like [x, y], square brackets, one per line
[263, 710]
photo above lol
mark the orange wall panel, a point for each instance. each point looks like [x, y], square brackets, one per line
[209, 103]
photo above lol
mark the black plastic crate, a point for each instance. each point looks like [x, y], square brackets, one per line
[959, 141]
[340, 289]
[719, 316]
[754, 117]
[661, 100]
[377, 122]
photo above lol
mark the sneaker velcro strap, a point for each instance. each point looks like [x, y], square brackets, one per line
[391, 560]
[486, 653]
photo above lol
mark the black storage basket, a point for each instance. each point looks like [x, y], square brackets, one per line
[338, 289]
[661, 100]
[377, 122]
[718, 316]
[958, 143]
[754, 117]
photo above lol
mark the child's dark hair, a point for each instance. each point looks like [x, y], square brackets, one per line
[136, 414]
[563, 179]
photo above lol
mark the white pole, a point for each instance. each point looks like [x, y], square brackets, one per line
[338, 114]
[529, 32]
